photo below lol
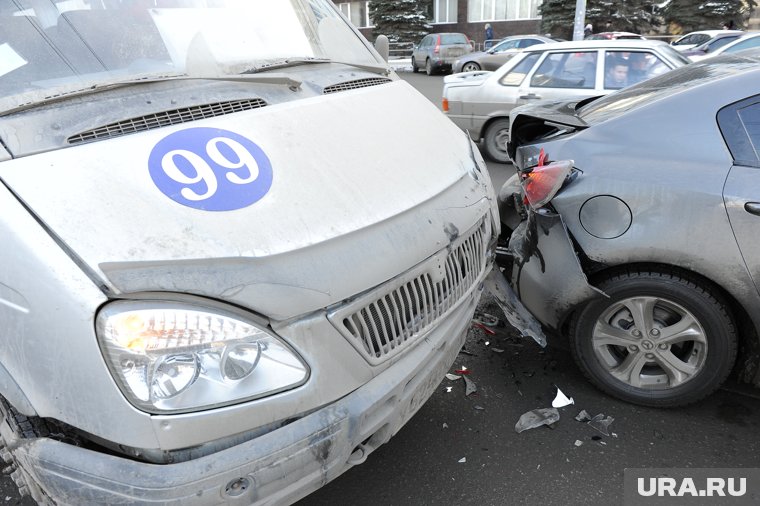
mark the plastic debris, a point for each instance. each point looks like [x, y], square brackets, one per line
[463, 370]
[514, 310]
[561, 400]
[583, 416]
[463, 460]
[445, 425]
[448, 389]
[465, 352]
[484, 328]
[487, 320]
[469, 386]
[578, 442]
[596, 438]
[601, 423]
[488, 342]
[497, 350]
[537, 418]
[452, 377]
[479, 408]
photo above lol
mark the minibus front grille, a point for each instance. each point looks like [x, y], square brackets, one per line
[352, 85]
[383, 324]
[165, 118]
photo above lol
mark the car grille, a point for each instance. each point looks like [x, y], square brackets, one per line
[165, 118]
[383, 323]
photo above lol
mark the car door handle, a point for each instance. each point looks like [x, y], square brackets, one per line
[752, 207]
[530, 96]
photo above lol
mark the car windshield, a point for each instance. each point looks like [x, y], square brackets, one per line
[453, 38]
[47, 46]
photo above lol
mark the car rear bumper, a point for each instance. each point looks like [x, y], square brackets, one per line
[277, 468]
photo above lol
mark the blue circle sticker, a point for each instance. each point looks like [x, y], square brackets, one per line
[210, 169]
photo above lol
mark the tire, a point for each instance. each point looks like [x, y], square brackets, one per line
[429, 67]
[470, 66]
[680, 347]
[415, 69]
[496, 137]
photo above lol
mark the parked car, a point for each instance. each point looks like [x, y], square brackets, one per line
[694, 39]
[438, 52]
[498, 54]
[480, 102]
[615, 36]
[748, 41]
[709, 47]
[640, 238]
[204, 299]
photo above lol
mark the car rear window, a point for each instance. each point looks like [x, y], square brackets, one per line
[453, 38]
[657, 88]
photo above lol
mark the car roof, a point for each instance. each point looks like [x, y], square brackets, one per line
[597, 44]
[711, 33]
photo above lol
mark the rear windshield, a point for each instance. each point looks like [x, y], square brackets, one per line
[453, 38]
[657, 88]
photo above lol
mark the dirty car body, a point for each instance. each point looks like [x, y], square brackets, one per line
[208, 296]
[632, 227]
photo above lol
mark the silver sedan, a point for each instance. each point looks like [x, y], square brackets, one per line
[480, 102]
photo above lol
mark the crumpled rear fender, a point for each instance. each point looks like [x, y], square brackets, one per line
[547, 274]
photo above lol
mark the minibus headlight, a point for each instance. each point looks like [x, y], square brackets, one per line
[176, 357]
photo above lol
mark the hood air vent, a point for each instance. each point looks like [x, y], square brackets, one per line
[165, 118]
[352, 85]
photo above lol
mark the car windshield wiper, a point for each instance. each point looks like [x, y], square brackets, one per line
[31, 99]
[294, 62]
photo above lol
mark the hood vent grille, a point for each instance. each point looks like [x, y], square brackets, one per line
[165, 118]
[352, 85]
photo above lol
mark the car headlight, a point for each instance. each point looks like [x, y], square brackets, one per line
[176, 357]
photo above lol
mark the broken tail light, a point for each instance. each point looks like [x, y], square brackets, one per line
[445, 104]
[542, 183]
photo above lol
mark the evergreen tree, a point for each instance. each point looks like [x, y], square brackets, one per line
[688, 15]
[399, 20]
[638, 16]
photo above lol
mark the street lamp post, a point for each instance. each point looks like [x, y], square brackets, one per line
[580, 16]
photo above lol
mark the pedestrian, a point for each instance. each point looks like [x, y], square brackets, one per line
[489, 36]
[588, 31]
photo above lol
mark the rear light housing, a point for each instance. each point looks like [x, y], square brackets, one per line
[437, 45]
[445, 104]
[541, 184]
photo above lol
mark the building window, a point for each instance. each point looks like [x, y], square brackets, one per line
[445, 11]
[501, 10]
[357, 13]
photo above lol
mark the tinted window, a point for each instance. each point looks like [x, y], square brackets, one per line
[566, 70]
[715, 44]
[700, 38]
[529, 42]
[515, 76]
[750, 118]
[453, 38]
[745, 44]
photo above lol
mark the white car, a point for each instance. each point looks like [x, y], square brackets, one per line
[748, 41]
[480, 102]
[694, 39]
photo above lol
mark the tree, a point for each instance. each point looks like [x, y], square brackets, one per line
[638, 16]
[690, 15]
[399, 20]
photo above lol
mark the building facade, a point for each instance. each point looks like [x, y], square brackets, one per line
[506, 17]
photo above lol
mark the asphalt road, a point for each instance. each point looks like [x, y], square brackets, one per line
[464, 449]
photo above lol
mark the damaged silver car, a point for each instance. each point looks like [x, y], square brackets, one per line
[633, 227]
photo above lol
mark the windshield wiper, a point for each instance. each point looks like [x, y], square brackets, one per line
[33, 99]
[294, 62]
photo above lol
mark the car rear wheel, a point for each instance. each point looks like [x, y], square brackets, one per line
[470, 66]
[660, 339]
[414, 66]
[496, 137]
[429, 67]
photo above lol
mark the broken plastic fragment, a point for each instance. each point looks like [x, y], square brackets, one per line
[463, 370]
[488, 342]
[470, 387]
[463, 460]
[578, 442]
[452, 377]
[517, 315]
[479, 408]
[484, 328]
[537, 418]
[497, 350]
[448, 389]
[583, 416]
[561, 400]
[445, 425]
[602, 424]
[487, 320]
